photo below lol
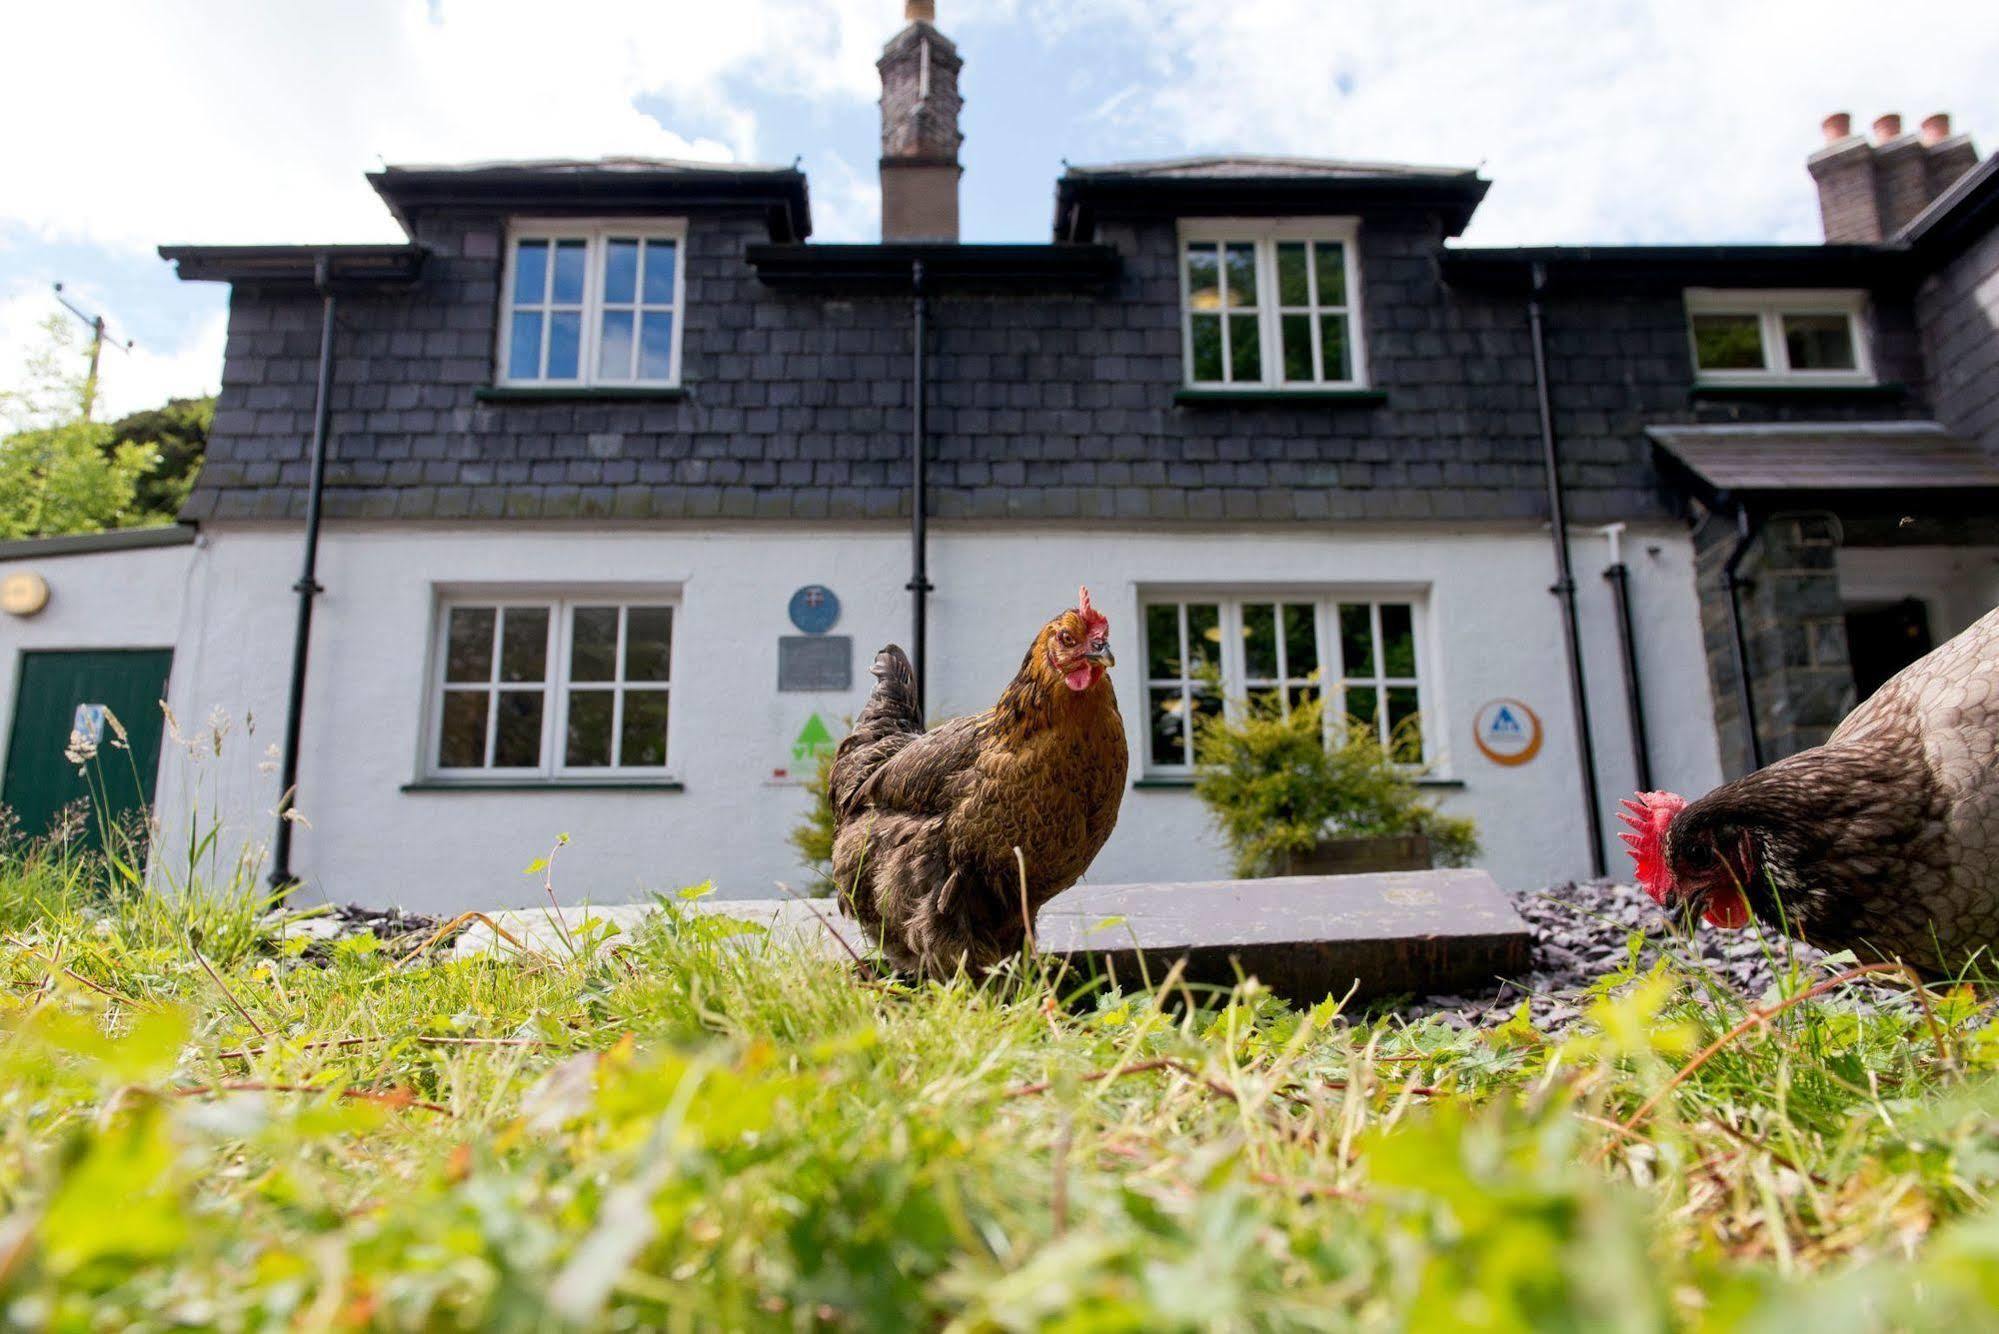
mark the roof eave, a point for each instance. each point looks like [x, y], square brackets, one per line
[1082, 201]
[783, 194]
[1512, 269]
[348, 266]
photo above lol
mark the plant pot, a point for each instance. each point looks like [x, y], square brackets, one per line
[1360, 856]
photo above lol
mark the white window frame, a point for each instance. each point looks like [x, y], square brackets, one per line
[1326, 601]
[1769, 307]
[1264, 234]
[561, 605]
[594, 232]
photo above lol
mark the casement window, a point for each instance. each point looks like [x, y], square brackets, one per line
[1362, 650]
[1782, 337]
[592, 304]
[1271, 305]
[551, 687]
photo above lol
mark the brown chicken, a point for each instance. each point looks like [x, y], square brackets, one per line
[1885, 840]
[926, 824]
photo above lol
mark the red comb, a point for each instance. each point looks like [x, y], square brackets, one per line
[1648, 814]
[1091, 616]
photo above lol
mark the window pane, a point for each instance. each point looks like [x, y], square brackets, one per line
[468, 653]
[1240, 263]
[593, 645]
[1169, 728]
[648, 643]
[1363, 704]
[517, 735]
[589, 741]
[524, 346]
[1333, 347]
[659, 272]
[1206, 708]
[1356, 640]
[614, 347]
[1162, 642]
[1331, 259]
[565, 344]
[656, 345]
[568, 285]
[1292, 288]
[1245, 360]
[1298, 347]
[461, 735]
[621, 270]
[530, 272]
[1818, 342]
[642, 741]
[1259, 641]
[1728, 342]
[1207, 347]
[524, 644]
[1398, 639]
[1405, 727]
[1204, 637]
[1203, 278]
[1297, 697]
[1301, 640]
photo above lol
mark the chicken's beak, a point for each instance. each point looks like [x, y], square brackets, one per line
[1101, 657]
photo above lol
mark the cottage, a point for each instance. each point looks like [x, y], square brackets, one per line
[583, 511]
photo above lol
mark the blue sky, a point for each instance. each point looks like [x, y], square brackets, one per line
[240, 120]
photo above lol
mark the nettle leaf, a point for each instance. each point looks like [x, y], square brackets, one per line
[121, 1200]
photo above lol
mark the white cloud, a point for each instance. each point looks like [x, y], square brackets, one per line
[252, 121]
[128, 379]
[1686, 120]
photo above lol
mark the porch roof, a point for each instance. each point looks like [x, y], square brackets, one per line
[1908, 461]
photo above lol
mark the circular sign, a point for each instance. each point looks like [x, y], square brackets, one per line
[1507, 732]
[23, 593]
[814, 609]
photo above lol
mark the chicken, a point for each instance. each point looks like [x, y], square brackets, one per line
[1885, 840]
[926, 824]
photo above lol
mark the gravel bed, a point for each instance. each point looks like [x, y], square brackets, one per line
[1581, 931]
[395, 928]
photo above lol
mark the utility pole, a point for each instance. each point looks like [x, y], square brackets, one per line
[96, 323]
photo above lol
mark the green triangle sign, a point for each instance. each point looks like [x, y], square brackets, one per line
[812, 739]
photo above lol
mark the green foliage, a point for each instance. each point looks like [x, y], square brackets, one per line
[812, 836]
[1276, 788]
[176, 436]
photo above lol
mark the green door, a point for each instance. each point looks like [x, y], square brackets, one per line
[59, 691]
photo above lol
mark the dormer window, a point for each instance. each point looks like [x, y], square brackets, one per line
[1271, 305]
[592, 304]
[1778, 338]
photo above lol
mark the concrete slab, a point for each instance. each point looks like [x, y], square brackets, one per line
[1304, 937]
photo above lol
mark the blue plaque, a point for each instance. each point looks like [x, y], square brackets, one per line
[814, 609]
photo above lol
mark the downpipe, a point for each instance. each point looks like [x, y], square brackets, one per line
[1618, 575]
[919, 584]
[1747, 529]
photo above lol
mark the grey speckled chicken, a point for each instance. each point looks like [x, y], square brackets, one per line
[1885, 840]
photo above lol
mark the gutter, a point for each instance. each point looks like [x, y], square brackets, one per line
[1747, 529]
[1565, 581]
[919, 584]
[307, 586]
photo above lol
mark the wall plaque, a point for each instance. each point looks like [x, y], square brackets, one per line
[815, 662]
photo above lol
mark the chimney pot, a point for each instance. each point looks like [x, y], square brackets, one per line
[920, 10]
[1936, 128]
[1837, 126]
[1887, 127]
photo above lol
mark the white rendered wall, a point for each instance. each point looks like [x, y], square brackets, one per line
[97, 600]
[1960, 584]
[1494, 630]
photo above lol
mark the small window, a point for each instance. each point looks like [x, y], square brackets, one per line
[1271, 305]
[1203, 651]
[552, 688]
[592, 304]
[1778, 337]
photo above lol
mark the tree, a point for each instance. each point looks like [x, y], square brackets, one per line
[58, 472]
[177, 433]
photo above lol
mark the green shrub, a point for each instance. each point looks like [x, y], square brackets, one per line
[813, 834]
[1277, 785]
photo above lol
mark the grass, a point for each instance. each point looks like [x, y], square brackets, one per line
[201, 1128]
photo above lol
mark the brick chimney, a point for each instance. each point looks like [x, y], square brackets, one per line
[920, 139]
[1869, 192]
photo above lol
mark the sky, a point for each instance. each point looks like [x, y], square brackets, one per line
[133, 123]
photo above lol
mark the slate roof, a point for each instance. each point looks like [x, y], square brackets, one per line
[1239, 165]
[1854, 458]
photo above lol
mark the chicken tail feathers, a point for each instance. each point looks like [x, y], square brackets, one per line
[892, 707]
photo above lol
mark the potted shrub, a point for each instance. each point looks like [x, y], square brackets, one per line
[1293, 797]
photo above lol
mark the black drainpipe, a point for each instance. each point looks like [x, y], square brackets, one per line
[1565, 580]
[919, 584]
[1747, 526]
[307, 586]
[1619, 575]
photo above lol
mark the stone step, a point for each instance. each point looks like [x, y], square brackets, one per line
[1305, 937]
